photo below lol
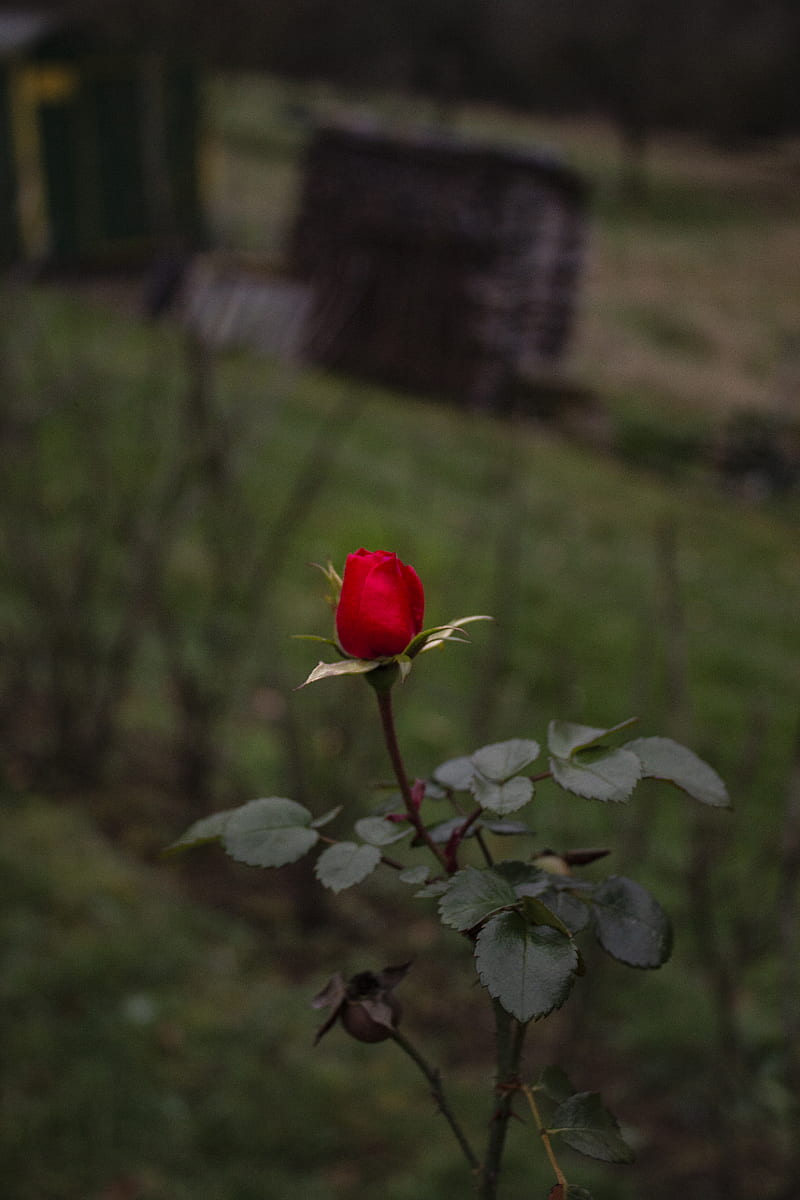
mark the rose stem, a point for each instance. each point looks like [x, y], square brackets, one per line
[510, 1036]
[390, 734]
[435, 1080]
[471, 819]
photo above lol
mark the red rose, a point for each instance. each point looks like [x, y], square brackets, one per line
[381, 606]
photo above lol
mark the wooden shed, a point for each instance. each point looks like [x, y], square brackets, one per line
[98, 145]
[437, 265]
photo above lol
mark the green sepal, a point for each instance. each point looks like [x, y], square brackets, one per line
[350, 666]
[404, 663]
[334, 582]
[437, 635]
[313, 637]
[583, 1122]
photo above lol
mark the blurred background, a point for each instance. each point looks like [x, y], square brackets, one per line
[509, 288]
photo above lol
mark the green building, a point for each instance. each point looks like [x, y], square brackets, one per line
[98, 146]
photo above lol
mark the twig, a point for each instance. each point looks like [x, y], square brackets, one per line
[527, 1092]
[435, 1080]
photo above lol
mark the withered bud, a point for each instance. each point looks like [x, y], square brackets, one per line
[579, 858]
[561, 862]
[554, 863]
[365, 1004]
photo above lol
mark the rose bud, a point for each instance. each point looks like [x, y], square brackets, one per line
[554, 863]
[381, 606]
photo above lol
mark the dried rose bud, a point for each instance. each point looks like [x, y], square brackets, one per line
[579, 858]
[365, 1004]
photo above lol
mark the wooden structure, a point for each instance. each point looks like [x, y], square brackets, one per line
[98, 146]
[437, 265]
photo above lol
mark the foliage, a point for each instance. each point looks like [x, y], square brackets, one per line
[514, 913]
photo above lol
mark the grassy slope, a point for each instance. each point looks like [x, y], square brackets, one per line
[566, 555]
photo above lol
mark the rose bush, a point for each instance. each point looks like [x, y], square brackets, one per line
[524, 916]
[381, 606]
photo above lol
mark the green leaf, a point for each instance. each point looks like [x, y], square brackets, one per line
[501, 760]
[434, 791]
[506, 828]
[380, 832]
[539, 914]
[269, 832]
[350, 666]
[502, 798]
[526, 879]
[437, 888]
[207, 829]
[564, 738]
[442, 832]
[472, 895]
[577, 1193]
[568, 906]
[345, 864]
[555, 1084]
[630, 924]
[586, 1125]
[455, 774]
[327, 817]
[414, 875]
[599, 774]
[529, 969]
[661, 758]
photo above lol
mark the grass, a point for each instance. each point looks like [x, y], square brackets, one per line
[121, 984]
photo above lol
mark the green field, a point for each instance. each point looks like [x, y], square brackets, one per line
[158, 521]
